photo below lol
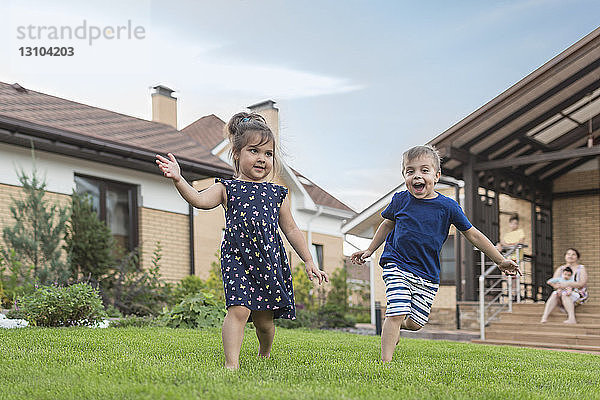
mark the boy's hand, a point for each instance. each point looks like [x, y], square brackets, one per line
[360, 256]
[313, 272]
[169, 167]
[509, 267]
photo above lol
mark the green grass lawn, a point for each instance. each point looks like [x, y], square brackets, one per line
[161, 363]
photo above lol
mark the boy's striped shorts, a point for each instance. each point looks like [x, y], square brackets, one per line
[408, 294]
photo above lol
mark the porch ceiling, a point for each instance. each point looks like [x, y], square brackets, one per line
[538, 129]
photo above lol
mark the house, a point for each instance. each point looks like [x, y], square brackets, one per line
[533, 150]
[110, 156]
[317, 213]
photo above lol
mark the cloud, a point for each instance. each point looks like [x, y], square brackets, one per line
[270, 80]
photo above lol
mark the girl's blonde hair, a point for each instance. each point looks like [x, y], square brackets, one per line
[242, 128]
[420, 151]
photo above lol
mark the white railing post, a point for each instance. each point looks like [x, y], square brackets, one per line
[482, 307]
[518, 280]
[509, 279]
[482, 260]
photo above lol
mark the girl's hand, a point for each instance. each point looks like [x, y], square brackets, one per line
[360, 256]
[313, 272]
[509, 267]
[169, 167]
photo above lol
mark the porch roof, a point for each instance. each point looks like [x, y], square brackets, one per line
[540, 128]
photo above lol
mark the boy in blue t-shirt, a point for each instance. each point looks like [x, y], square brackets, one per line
[415, 225]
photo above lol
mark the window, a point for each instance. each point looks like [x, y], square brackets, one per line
[316, 251]
[116, 205]
[448, 262]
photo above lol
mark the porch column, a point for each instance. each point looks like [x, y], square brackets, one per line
[469, 273]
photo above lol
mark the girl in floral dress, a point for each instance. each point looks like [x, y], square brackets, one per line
[256, 275]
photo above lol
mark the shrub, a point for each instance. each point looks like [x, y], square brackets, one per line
[197, 311]
[326, 317]
[88, 241]
[333, 316]
[74, 305]
[337, 297]
[13, 277]
[304, 319]
[135, 291]
[135, 321]
[214, 282]
[38, 229]
[189, 285]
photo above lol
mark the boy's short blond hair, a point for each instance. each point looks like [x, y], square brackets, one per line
[420, 151]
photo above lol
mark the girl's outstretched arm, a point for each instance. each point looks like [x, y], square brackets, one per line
[207, 199]
[296, 239]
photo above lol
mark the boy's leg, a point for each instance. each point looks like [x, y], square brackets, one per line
[233, 333]
[265, 331]
[410, 325]
[390, 335]
[398, 296]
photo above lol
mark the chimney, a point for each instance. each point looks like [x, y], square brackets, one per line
[164, 106]
[271, 114]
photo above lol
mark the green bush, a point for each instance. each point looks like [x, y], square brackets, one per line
[134, 290]
[88, 241]
[135, 321]
[189, 285]
[37, 231]
[333, 316]
[304, 319]
[197, 311]
[326, 317]
[74, 305]
[13, 278]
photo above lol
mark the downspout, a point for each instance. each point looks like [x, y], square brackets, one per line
[309, 230]
[191, 224]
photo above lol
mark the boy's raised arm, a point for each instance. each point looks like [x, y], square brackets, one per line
[479, 240]
[205, 200]
[382, 231]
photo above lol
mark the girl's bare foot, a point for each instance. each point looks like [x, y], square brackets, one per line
[570, 321]
[543, 320]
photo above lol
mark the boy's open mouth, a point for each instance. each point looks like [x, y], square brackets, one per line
[419, 187]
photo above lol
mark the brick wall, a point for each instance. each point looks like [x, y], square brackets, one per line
[576, 223]
[208, 233]
[8, 192]
[172, 230]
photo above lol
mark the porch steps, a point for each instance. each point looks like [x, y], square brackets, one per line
[522, 328]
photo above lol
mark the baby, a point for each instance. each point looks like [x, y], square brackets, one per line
[567, 276]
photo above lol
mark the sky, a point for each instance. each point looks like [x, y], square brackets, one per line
[356, 82]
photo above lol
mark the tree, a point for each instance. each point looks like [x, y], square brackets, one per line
[88, 241]
[38, 230]
[338, 294]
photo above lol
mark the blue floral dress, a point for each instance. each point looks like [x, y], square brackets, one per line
[255, 269]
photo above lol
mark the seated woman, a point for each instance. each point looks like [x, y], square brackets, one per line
[568, 292]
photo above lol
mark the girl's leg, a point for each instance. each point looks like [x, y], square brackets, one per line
[569, 308]
[233, 333]
[550, 304]
[265, 331]
[390, 335]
